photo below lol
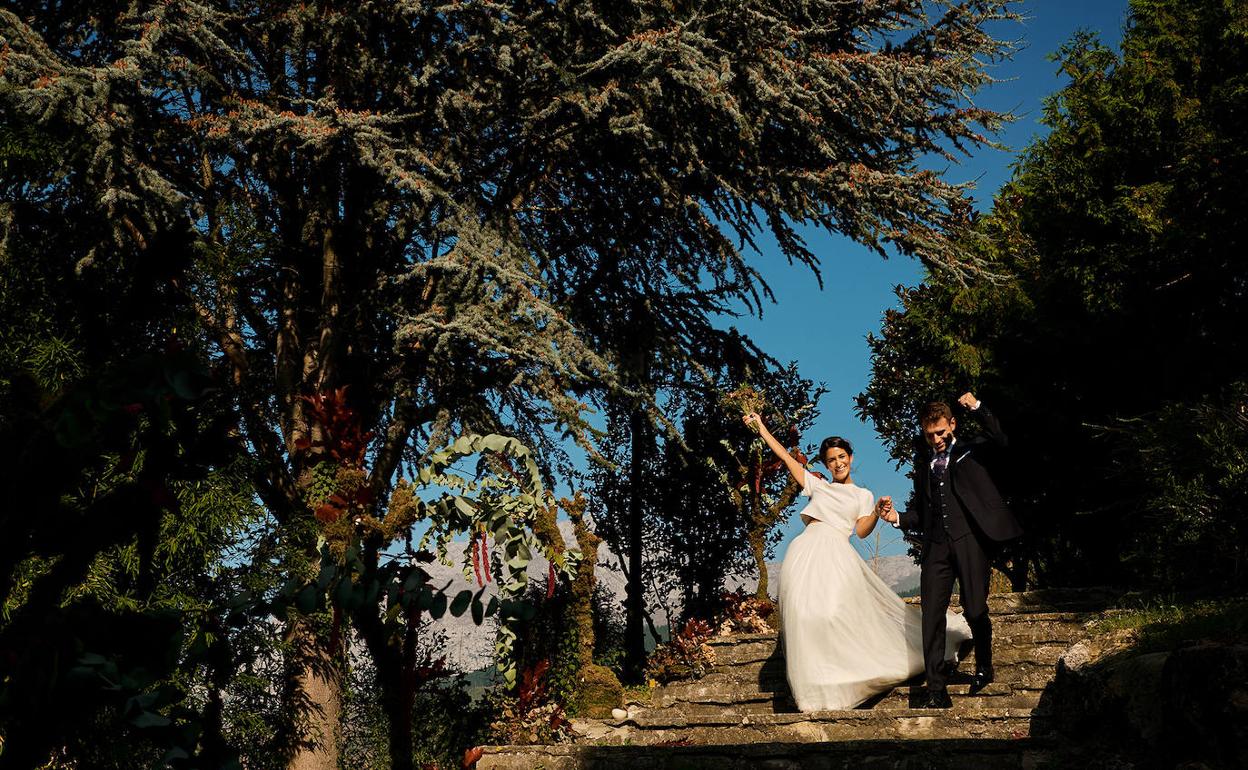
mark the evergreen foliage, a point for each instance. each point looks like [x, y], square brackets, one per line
[713, 496]
[1113, 354]
[378, 227]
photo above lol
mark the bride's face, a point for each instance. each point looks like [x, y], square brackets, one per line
[839, 462]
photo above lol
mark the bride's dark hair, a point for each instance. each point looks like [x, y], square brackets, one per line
[837, 442]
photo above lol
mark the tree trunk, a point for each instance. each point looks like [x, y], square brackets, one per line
[307, 365]
[395, 661]
[758, 543]
[316, 694]
[582, 605]
[764, 519]
[399, 687]
[398, 698]
[314, 682]
[634, 606]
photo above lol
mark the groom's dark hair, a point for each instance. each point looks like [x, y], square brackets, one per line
[834, 441]
[932, 411]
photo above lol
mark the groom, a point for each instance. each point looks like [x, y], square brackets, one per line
[962, 519]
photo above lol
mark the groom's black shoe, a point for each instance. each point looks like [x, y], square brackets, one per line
[937, 699]
[983, 677]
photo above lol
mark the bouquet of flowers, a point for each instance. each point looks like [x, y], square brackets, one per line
[745, 399]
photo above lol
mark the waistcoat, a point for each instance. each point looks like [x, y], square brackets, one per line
[950, 516]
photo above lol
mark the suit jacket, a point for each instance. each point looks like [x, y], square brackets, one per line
[969, 481]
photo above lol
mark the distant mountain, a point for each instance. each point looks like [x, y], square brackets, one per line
[471, 647]
[899, 572]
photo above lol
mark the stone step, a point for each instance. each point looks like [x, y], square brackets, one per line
[1007, 754]
[1047, 600]
[1018, 684]
[670, 726]
[1039, 632]
[1008, 655]
[995, 695]
[755, 677]
[1022, 618]
[758, 648]
[743, 648]
[751, 683]
[740, 715]
[769, 674]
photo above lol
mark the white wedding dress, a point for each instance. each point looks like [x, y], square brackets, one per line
[846, 634]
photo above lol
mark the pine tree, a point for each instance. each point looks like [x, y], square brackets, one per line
[418, 201]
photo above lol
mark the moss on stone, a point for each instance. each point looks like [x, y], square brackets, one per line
[598, 693]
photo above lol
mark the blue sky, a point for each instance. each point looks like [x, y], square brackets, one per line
[825, 331]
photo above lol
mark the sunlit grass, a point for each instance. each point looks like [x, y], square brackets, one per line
[1165, 625]
[639, 693]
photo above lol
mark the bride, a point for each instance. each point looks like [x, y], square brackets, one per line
[846, 634]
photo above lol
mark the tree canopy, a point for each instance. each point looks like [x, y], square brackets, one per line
[1113, 352]
[391, 234]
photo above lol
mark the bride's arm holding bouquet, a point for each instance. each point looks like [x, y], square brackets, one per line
[864, 525]
[796, 470]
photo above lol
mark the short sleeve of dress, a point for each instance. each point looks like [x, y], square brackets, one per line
[866, 503]
[812, 483]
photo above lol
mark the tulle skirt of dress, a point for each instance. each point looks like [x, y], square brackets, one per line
[846, 634]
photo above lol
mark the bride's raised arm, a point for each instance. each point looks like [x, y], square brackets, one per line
[795, 468]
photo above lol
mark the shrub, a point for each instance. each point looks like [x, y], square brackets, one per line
[531, 716]
[686, 656]
[742, 614]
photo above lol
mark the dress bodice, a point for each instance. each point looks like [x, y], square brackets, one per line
[838, 505]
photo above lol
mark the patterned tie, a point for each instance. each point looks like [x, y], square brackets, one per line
[940, 464]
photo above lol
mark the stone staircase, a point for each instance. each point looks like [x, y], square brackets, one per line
[740, 714]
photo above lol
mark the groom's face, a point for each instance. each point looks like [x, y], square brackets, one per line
[938, 434]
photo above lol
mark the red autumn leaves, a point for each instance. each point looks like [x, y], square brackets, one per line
[481, 557]
[337, 436]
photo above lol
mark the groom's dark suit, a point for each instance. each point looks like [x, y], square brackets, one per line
[962, 518]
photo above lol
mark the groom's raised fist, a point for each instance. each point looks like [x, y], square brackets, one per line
[968, 400]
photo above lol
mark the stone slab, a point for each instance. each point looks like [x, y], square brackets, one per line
[1007, 754]
[853, 724]
[1010, 754]
[749, 699]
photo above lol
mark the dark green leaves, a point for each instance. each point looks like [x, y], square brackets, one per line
[1121, 232]
[461, 602]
